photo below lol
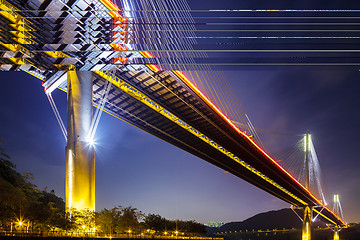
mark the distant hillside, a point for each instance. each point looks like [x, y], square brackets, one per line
[284, 218]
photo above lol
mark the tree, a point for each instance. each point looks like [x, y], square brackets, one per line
[159, 224]
[129, 220]
[155, 222]
[20, 200]
[107, 220]
[12, 184]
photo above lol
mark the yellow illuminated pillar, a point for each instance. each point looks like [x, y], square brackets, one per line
[80, 155]
[307, 156]
[336, 233]
[336, 210]
[307, 223]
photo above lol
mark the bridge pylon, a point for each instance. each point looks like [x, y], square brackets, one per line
[307, 223]
[308, 212]
[80, 154]
[336, 233]
[338, 211]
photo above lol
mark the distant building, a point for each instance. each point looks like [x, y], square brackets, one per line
[214, 224]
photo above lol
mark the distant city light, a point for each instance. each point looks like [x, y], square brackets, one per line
[215, 224]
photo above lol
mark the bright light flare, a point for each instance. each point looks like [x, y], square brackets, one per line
[91, 141]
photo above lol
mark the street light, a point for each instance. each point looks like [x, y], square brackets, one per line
[20, 222]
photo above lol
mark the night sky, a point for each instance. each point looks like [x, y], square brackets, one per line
[135, 168]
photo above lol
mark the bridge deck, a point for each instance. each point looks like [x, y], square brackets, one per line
[177, 97]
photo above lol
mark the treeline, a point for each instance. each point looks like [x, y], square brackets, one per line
[24, 207]
[21, 201]
[120, 220]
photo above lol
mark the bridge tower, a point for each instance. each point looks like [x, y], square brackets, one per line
[80, 154]
[336, 233]
[338, 211]
[307, 221]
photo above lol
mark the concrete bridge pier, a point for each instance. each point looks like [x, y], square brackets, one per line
[307, 223]
[80, 154]
[336, 233]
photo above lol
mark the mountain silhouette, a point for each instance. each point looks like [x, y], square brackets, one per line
[279, 219]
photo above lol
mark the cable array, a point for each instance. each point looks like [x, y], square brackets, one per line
[170, 36]
[293, 160]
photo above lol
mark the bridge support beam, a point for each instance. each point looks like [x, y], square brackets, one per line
[80, 155]
[307, 223]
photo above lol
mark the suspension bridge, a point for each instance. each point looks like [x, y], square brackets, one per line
[132, 64]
